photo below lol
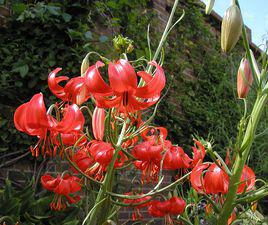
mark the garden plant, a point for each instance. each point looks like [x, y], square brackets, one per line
[102, 125]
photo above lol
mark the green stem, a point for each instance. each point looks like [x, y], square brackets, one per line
[247, 140]
[213, 204]
[184, 220]
[164, 35]
[258, 194]
[100, 213]
[242, 157]
[247, 48]
[152, 192]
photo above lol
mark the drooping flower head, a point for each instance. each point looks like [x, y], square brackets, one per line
[65, 189]
[123, 92]
[214, 181]
[148, 160]
[140, 203]
[95, 157]
[82, 160]
[32, 119]
[176, 158]
[172, 206]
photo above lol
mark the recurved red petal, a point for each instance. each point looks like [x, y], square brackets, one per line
[196, 177]
[20, 117]
[216, 180]
[104, 102]
[82, 159]
[95, 82]
[102, 152]
[177, 205]
[155, 85]
[122, 76]
[74, 184]
[77, 91]
[155, 209]
[72, 121]
[36, 116]
[49, 182]
[248, 180]
[146, 151]
[199, 153]
[53, 84]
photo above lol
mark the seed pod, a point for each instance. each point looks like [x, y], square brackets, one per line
[231, 28]
[209, 6]
[244, 78]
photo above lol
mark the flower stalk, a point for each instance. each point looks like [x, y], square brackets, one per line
[245, 147]
[242, 157]
[101, 210]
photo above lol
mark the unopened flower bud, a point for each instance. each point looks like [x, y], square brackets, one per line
[209, 6]
[244, 78]
[231, 28]
[84, 65]
[98, 123]
[123, 44]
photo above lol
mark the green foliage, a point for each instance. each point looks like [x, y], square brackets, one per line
[40, 37]
[23, 207]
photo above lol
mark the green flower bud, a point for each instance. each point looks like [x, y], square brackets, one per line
[123, 44]
[84, 65]
[231, 28]
[209, 6]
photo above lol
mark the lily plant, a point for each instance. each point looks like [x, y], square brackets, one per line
[102, 126]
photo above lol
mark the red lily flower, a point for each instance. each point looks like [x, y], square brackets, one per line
[31, 118]
[214, 181]
[63, 187]
[123, 92]
[148, 160]
[176, 158]
[173, 206]
[152, 135]
[97, 156]
[82, 160]
[137, 214]
[72, 121]
[248, 180]
[75, 90]
[69, 139]
[199, 153]
[98, 122]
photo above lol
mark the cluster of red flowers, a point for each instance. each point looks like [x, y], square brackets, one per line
[65, 128]
[156, 150]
